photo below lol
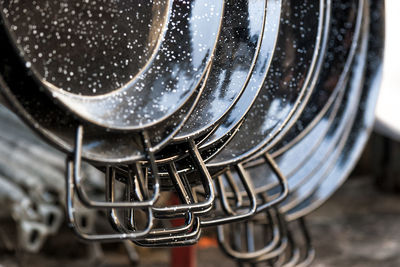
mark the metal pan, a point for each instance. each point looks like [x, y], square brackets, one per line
[272, 33]
[295, 164]
[260, 18]
[345, 26]
[297, 151]
[287, 83]
[363, 122]
[110, 150]
[59, 128]
[303, 175]
[312, 56]
[252, 85]
[267, 45]
[230, 125]
[263, 185]
[132, 99]
[234, 59]
[341, 128]
[55, 126]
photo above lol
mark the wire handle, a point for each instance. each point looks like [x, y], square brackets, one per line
[233, 215]
[186, 234]
[75, 177]
[277, 242]
[70, 191]
[282, 182]
[184, 189]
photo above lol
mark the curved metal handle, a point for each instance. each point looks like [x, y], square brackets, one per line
[183, 239]
[74, 176]
[310, 254]
[278, 241]
[154, 234]
[233, 216]
[70, 191]
[184, 189]
[282, 182]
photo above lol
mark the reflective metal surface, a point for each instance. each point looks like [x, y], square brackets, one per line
[295, 154]
[133, 98]
[286, 82]
[236, 52]
[363, 123]
[242, 115]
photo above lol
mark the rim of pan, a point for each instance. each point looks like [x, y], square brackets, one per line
[120, 112]
[362, 127]
[225, 158]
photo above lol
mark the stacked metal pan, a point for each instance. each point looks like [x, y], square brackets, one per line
[252, 112]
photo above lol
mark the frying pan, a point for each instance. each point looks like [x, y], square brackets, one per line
[312, 58]
[286, 85]
[268, 255]
[251, 86]
[340, 129]
[305, 173]
[59, 127]
[215, 221]
[292, 158]
[135, 98]
[92, 134]
[234, 59]
[315, 166]
[337, 62]
[270, 30]
[281, 60]
[77, 160]
[363, 122]
[292, 154]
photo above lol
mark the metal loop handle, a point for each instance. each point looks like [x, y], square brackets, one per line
[185, 190]
[294, 254]
[154, 234]
[282, 182]
[76, 178]
[70, 191]
[277, 242]
[183, 239]
[310, 251]
[233, 216]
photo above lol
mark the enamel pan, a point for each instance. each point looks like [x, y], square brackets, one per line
[115, 64]
[290, 80]
[363, 123]
[294, 149]
[303, 163]
[234, 59]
